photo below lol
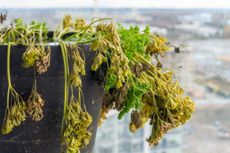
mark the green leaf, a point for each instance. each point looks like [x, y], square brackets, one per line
[134, 97]
[110, 81]
[133, 40]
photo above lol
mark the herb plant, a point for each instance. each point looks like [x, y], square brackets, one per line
[132, 83]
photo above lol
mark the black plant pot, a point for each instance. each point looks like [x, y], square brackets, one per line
[44, 136]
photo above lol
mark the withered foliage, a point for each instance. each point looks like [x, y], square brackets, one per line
[77, 122]
[133, 83]
[35, 103]
[78, 66]
[15, 115]
[15, 112]
[37, 57]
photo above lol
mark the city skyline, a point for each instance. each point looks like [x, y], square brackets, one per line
[115, 3]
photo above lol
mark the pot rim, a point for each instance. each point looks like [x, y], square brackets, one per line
[49, 42]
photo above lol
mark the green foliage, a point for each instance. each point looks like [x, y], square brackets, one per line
[134, 97]
[21, 33]
[110, 81]
[133, 40]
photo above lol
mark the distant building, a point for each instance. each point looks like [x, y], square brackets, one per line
[227, 31]
[115, 137]
[202, 18]
[198, 30]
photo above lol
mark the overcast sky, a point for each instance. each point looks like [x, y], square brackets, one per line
[117, 3]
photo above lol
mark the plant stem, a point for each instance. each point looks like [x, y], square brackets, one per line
[65, 82]
[23, 38]
[35, 80]
[90, 26]
[8, 75]
[8, 65]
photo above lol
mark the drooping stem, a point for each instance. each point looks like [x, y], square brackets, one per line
[66, 84]
[91, 25]
[83, 100]
[35, 80]
[8, 80]
[8, 65]
[23, 37]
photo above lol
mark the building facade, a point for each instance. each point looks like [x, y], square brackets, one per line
[114, 137]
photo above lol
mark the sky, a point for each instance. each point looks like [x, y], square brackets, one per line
[116, 3]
